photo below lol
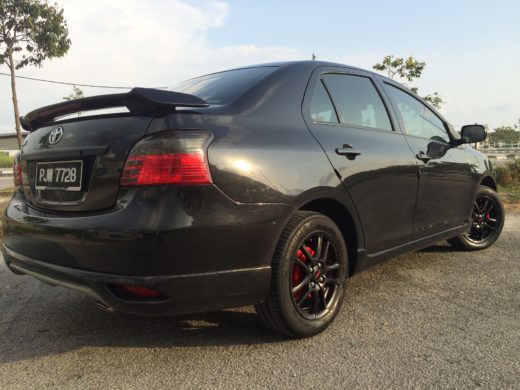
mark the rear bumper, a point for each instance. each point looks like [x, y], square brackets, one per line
[150, 232]
[197, 247]
[182, 293]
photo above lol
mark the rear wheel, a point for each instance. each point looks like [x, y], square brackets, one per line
[308, 277]
[488, 221]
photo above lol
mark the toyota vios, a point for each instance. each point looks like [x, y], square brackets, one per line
[267, 185]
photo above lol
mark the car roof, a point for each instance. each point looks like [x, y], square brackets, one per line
[300, 65]
[309, 65]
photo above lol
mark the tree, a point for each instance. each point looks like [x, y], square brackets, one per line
[77, 93]
[408, 69]
[31, 31]
[505, 135]
[434, 99]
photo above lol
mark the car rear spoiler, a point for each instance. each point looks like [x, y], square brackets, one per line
[138, 100]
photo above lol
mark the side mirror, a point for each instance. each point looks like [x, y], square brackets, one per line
[470, 134]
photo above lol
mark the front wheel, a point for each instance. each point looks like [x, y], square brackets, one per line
[488, 221]
[308, 277]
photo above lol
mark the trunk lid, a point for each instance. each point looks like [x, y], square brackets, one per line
[76, 164]
[101, 145]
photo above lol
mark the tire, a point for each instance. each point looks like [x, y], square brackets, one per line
[307, 283]
[488, 222]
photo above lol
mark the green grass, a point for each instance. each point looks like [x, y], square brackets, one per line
[5, 196]
[5, 161]
[508, 179]
[510, 193]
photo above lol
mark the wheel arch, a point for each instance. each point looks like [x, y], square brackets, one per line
[346, 221]
[488, 181]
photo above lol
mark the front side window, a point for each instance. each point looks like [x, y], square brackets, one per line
[357, 101]
[418, 120]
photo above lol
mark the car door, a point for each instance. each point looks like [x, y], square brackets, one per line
[349, 117]
[444, 197]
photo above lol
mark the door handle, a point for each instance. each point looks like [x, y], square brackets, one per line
[348, 151]
[423, 157]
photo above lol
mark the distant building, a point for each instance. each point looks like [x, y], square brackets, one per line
[9, 142]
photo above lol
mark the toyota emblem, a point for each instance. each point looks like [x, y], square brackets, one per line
[55, 135]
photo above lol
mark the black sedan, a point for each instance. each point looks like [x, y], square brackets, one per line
[267, 185]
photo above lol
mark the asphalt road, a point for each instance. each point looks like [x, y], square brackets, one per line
[437, 318]
[6, 182]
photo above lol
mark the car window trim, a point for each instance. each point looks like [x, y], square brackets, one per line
[359, 74]
[401, 119]
[331, 101]
[316, 74]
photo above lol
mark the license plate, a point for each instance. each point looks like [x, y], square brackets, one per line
[59, 175]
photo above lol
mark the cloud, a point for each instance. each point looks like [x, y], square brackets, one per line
[128, 42]
[133, 43]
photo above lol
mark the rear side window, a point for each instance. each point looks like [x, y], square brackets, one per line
[322, 109]
[418, 119]
[357, 101]
[224, 87]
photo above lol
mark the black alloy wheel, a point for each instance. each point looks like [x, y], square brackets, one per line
[308, 275]
[314, 275]
[485, 219]
[488, 218]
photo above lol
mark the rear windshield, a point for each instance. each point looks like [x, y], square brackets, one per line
[223, 87]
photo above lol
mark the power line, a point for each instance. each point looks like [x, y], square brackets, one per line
[67, 83]
[64, 82]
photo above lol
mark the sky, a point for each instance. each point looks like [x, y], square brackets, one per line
[471, 48]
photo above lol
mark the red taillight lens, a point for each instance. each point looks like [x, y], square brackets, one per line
[17, 171]
[135, 292]
[172, 157]
[166, 169]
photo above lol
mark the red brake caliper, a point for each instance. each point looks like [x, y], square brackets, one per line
[298, 274]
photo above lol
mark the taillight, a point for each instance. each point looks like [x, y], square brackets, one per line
[135, 292]
[169, 157]
[17, 171]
